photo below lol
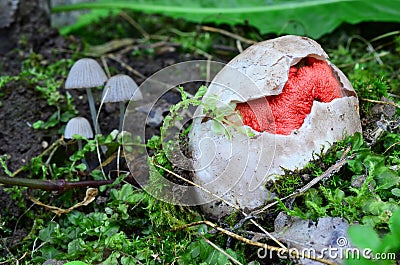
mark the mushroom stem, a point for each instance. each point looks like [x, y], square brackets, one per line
[93, 112]
[121, 114]
[83, 159]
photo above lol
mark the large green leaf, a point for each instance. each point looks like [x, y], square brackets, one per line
[311, 18]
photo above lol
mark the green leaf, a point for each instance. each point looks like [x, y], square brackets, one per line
[112, 259]
[81, 167]
[77, 263]
[128, 261]
[87, 19]
[391, 241]
[339, 195]
[313, 18]
[38, 124]
[213, 257]
[4, 166]
[183, 93]
[217, 128]
[359, 261]
[200, 92]
[195, 252]
[76, 246]
[222, 259]
[356, 166]
[364, 236]
[394, 225]
[396, 192]
[374, 160]
[370, 220]
[387, 178]
[49, 251]
[356, 141]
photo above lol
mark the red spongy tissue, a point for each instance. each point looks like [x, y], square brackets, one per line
[310, 80]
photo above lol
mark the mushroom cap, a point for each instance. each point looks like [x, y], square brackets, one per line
[85, 73]
[238, 167]
[79, 126]
[121, 88]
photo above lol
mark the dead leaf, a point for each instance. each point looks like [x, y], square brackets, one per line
[91, 194]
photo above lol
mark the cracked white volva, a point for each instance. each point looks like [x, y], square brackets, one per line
[238, 167]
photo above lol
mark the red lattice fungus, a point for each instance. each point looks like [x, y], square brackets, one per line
[311, 79]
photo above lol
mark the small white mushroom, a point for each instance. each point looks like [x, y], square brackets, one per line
[121, 88]
[87, 73]
[78, 126]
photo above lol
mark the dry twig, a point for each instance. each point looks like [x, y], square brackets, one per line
[127, 67]
[228, 34]
[135, 24]
[91, 194]
[254, 243]
[391, 103]
[220, 250]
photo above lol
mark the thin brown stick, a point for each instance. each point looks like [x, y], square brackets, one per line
[390, 147]
[228, 34]
[363, 60]
[381, 102]
[91, 194]
[124, 65]
[134, 24]
[329, 172]
[135, 72]
[254, 243]
[104, 62]
[221, 250]
[110, 46]
[107, 161]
